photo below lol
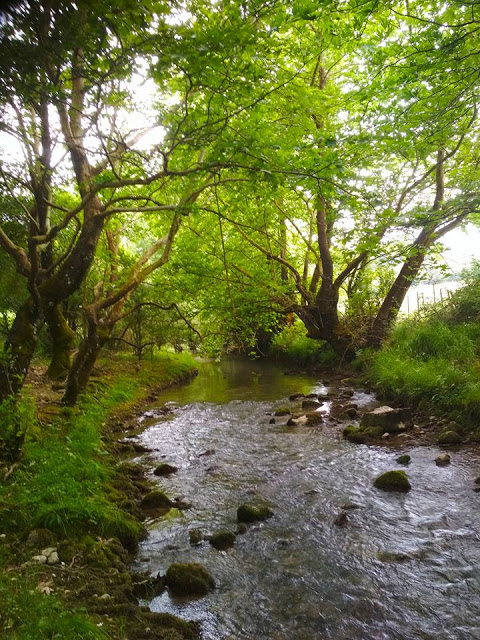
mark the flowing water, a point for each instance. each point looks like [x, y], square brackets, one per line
[405, 566]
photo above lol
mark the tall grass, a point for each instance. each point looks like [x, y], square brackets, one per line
[433, 364]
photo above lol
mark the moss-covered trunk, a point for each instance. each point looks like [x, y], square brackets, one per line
[18, 350]
[62, 343]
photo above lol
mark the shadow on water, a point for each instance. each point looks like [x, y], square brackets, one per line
[403, 567]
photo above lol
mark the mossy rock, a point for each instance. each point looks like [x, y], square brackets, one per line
[403, 459]
[314, 419]
[222, 540]
[188, 578]
[156, 499]
[249, 512]
[393, 481]
[130, 468]
[165, 469]
[449, 437]
[282, 411]
[354, 434]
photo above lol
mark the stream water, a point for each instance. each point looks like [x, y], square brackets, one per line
[405, 566]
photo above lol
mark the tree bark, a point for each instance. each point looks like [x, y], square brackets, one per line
[84, 362]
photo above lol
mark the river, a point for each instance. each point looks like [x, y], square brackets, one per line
[405, 566]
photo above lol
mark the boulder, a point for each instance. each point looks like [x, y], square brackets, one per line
[242, 528]
[341, 519]
[403, 459]
[188, 579]
[311, 404]
[449, 437]
[165, 469]
[389, 419]
[442, 460]
[222, 540]
[393, 481]
[249, 512]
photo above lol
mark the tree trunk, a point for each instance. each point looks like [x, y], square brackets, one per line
[83, 364]
[388, 312]
[62, 344]
[18, 350]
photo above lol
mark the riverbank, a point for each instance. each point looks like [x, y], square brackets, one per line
[70, 512]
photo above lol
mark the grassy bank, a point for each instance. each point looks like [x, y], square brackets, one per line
[434, 361]
[67, 492]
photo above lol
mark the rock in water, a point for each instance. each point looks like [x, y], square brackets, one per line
[249, 512]
[311, 404]
[189, 579]
[403, 459]
[222, 540]
[442, 460]
[165, 469]
[393, 481]
[389, 419]
[156, 499]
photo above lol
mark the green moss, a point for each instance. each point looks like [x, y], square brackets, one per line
[403, 459]
[189, 579]
[249, 512]
[354, 434]
[165, 469]
[449, 437]
[156, 499]
[393, 481]
[222, 540]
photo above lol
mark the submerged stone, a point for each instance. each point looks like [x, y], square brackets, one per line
[195, 536]
[222, 540]
[449, 437]
[403, 459]
[189, 578]
[393, 481]
[249, 512]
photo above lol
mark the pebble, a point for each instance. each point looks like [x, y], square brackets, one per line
[41, 559]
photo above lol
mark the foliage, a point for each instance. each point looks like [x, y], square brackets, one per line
[294, 348]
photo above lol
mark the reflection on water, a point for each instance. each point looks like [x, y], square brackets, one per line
[403, 567]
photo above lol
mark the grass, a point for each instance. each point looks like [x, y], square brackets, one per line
[65, 483]
[434, 364]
